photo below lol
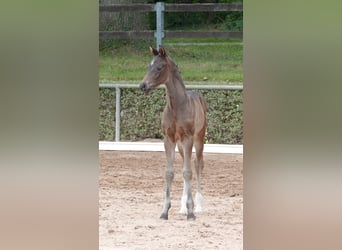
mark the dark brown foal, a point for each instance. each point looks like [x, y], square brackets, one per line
[184, 125]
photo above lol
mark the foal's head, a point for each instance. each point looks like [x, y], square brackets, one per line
[158, 71]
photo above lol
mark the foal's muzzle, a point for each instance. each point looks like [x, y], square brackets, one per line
[144, 87]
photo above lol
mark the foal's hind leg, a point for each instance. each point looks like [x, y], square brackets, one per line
[169, 174]
[199, 164]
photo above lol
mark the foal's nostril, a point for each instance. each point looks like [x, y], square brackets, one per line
[143, 86]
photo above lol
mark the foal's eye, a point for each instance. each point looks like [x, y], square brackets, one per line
[159, 68]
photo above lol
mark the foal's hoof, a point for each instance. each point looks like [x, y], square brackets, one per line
[191, 217]
[164, 216]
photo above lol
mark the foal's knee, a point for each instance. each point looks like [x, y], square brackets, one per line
[169, 175]
[187, 174]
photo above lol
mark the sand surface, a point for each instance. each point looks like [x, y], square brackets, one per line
[131, 191]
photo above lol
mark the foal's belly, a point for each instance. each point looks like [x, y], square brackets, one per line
[179, 132]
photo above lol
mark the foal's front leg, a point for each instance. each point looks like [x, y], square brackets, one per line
[187, 175]
[169, 174]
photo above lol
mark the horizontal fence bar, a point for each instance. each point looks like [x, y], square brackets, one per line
[127, 7]
[203, 34]
[181, 7]
[169, 34]
[203, 7]
[202, 44]
[126, 34]
[220, 87]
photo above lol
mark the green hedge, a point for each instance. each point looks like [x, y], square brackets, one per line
[141, 115]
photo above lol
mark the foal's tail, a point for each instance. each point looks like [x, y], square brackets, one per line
[203, 103]
[205, 110]
[200, 136]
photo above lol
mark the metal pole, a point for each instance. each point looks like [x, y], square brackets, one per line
[117, 114]
[159, 34]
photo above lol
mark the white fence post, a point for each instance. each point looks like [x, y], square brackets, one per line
[159, 33]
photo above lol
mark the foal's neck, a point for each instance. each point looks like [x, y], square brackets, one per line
[175, 88]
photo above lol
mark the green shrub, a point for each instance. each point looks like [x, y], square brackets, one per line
[224, 116]
[141, 115]
[107, 115]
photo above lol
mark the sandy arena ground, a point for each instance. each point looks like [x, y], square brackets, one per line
[131, 190]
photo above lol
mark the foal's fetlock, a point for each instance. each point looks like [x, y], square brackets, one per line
[164, 216]
[191, 216]
[190, 207]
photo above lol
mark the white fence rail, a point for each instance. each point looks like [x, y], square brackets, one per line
[159, 147]
[119, 86]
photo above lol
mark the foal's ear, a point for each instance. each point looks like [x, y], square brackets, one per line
[162, 51]
[153, 51]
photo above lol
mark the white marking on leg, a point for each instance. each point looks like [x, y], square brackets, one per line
[183, 209]
[198, 202]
